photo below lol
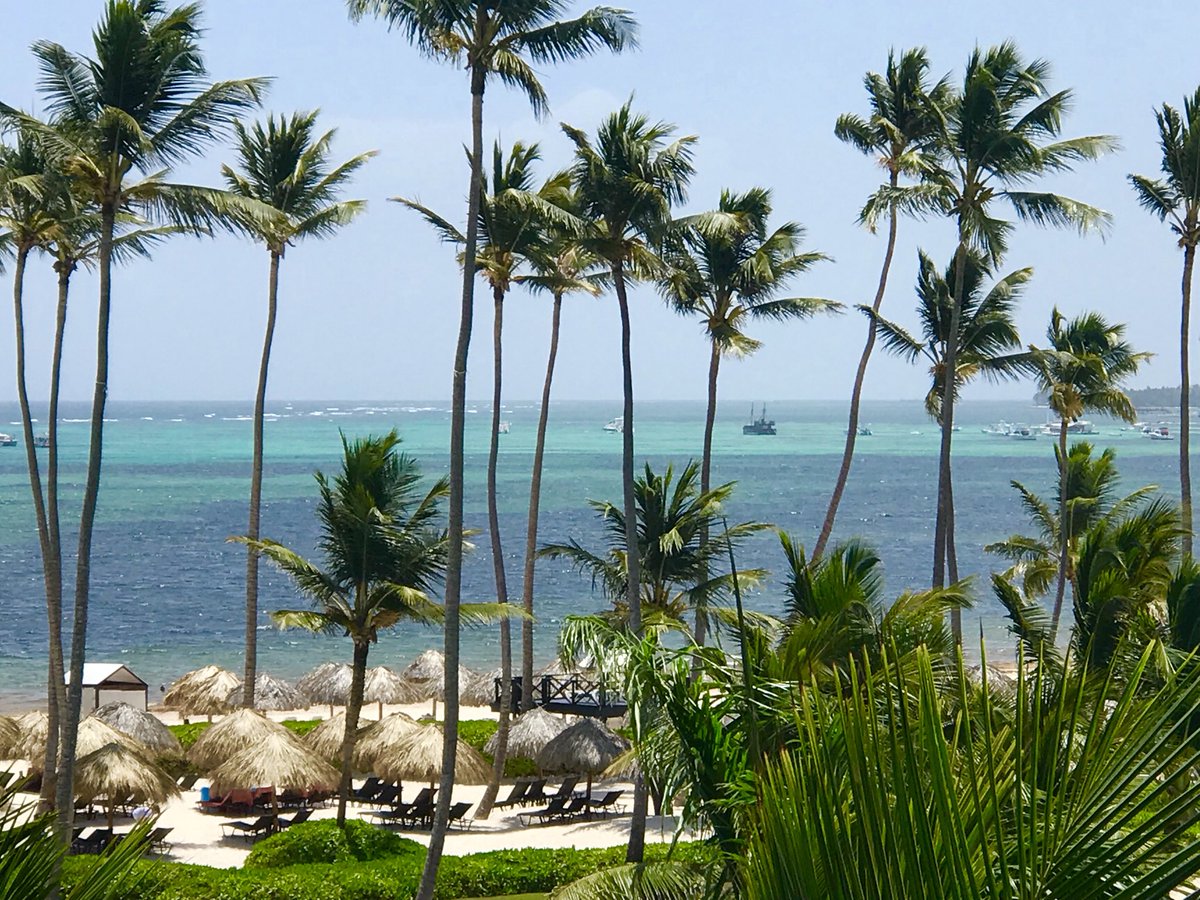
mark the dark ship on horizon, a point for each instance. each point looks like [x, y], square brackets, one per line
[761, 425]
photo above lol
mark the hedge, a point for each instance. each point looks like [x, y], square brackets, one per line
[324, 842]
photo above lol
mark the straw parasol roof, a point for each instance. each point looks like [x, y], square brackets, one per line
[418, 757]
[237, 731]
[326, 739]
[380, 739]
[30, 744]
[270, 693]
[204, 691]
[530, 732]
[139, 725]
[480, 690]
[276, 759]
[429, 665]
[328, 683]
[385, 686]
[10, 733]
[587, 747]
[116, 772]
[93, 734]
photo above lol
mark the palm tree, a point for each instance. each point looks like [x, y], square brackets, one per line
[284, 165]
[564, 268]
[998, 133]
[898, 134]
[384, 550]
[730, 277]
[1083, 368]
[1176, 198]
[503, 41]
[142, 103]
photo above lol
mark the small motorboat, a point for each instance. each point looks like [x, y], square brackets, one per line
[1160, 433]
[7, 440]
[616, 426]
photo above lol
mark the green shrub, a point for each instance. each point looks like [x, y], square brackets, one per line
[190, 733]
[324, 842]
[300, 727]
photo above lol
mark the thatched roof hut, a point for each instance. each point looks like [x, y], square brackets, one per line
[118, 773]
[276, 759]
[326, 739]
[142, 727]
[385, 686]
[480, 690]
[328, 683]
[418, 757]
[429, 665]
[587, 747]
[380, 739]
[234, 733]
[30, 745]
[93, 734]
[10, 733]
[270, 693]
[530, 733]
[203, 692]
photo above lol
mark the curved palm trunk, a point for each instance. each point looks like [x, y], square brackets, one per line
[458, 405]
[860, 377]
[531, 528]
[637, 827]
[56, 699]
[358, 679]
[1185, 412]
[493, 787]
[1064, 529]
[87, 519]
[256, 476]
[944, 523]
[710, 417]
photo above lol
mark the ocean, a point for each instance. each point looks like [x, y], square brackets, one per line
[168, 589]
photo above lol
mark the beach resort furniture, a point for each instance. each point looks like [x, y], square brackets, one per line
[387, 795]
[515, 796]
[157, 840]
[607, 804]
[301, 816]
[576, 807]
[368, 792]
[93, 842]
[420, 811]
[552, 810]
[536, 793]
[566, 789]
[5, 778]
[458, 816]
[260, 827]
[234, 801]
[187, 782]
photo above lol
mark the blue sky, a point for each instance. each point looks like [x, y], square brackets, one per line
[372, 314]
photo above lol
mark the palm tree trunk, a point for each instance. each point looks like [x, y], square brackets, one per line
[1064, 529]
[860, 377]
[944, 521]
[56, 700]
[710, 417]
[1185, 412]
[493, 787]
[250, 672]
[458, 408]
[87, 519]
[358, 677]
[535, 498]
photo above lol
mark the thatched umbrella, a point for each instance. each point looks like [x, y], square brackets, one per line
[277, 760]
[418, 757]
[10, 733]
[385, 686]
[118, 773]
[234, 733]
[143, 727]
[328, 683]
[480, 690]
[530, 733]
[202, 692]
[429, 677]
[326, 739]
[270, 693]
[92, 735]
[429, 665]
[380, 739]
[587, 747]
[30, 744]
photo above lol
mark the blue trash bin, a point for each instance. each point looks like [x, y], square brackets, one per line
[204, 795]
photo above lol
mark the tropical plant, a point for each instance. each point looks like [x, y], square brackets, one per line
[999, 132]
[512, 218]
[899, 132]
[730, 277]
[564, 268]
[1083, 368]
[384, 550]
[142, 103]
[1176, 199]
[284, 165]
[501, 41]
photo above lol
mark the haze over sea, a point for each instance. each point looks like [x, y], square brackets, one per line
[168, 590]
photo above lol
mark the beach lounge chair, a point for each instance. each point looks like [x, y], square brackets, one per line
[391, 817]
[157, 840]
[301, 816]
[187, 782]
[458, 815]
[260, 827]
[368, 792]
[552, 810]
[420, 812]
[5, 778]
[387, 795]
[515, 797]
[576, 807]
[607, 804]
[566, 789]
[92, 843]
[536, 793]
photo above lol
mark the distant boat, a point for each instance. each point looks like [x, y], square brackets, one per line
[1000, 429]
[865, 431]
[761, 425]
[1159, 433]
[616, 426]
[504, 427]
[1022, 433]
[7, 440]
[42, 441]
[1082, 426]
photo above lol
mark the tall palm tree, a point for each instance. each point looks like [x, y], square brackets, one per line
[564, 268]
[285, 165]
[511, 230]
[1082, 369]
[1176, 199]
[999, 132]
[504, 41]
[384, 549]
[898, 133]
[143, 102]
[730, 277]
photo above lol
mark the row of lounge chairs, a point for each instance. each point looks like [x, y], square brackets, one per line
[244, 801]
[96, 840]
[263, 826]
[531, 792]
[564, 809]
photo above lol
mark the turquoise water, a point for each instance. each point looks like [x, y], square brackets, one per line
[168, 589]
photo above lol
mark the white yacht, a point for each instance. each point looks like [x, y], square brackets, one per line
[1022, 433]
[7, 440]
[616, 426]
[1000, 429]
[1159, 433]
